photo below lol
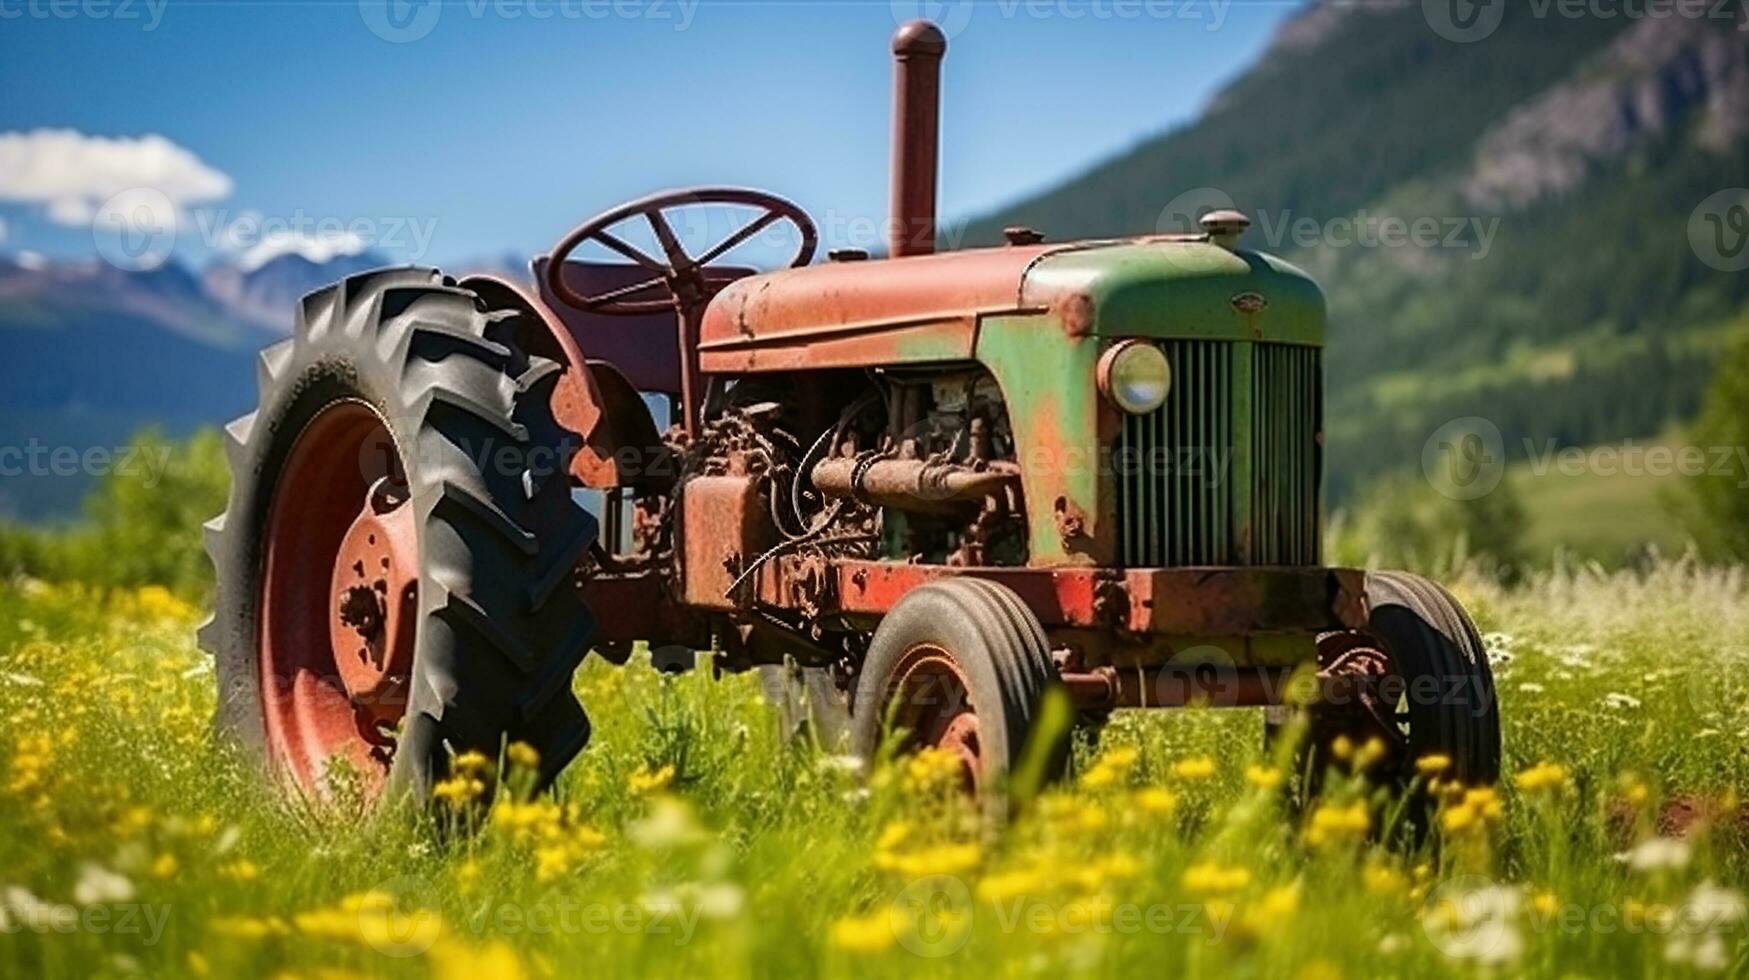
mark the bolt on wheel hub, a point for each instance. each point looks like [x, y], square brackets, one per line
[374, 606]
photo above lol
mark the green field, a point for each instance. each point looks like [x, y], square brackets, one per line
[1614, 518]
[689, 838]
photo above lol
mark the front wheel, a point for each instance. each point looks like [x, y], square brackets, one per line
[959, 665]
[395, 564]
[1416, 680]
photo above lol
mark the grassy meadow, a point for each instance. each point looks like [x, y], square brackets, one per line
[689, 838]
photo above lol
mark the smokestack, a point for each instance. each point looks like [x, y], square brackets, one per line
[917, 51]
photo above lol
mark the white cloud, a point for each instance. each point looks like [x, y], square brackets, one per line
[317, 247]
[71, 174]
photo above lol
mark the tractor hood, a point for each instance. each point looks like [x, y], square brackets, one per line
[927, 308]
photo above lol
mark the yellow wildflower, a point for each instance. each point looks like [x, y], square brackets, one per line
[866, 934]
[647, 781]
[1156, 799]
[1111, 766]
[467, 876]
[1383, 879]
[1544, 776]
[523, 756]
[1196, 767]
[494, 961]
[1210, 878]
[1370, 754]
[459, 790]
[1478, 808]
[892, 835]
[246, 927]
[241, 869]
[1545, 904]
[1014, 884]
[1263, 777]
[942, 859]
[472, 762]
[931, 770]
[1432, 765]
[1331, 823]
[165, 867]
[157, 602]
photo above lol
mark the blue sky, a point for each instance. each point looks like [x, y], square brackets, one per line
[497, 129]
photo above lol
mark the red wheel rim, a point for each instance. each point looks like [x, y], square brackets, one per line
[935, 707]
[337, 605]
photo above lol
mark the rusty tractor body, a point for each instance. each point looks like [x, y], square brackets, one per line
[1116, 442]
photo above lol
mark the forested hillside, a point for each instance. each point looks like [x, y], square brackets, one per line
[1560, 164]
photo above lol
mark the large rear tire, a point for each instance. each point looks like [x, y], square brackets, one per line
[436, 398]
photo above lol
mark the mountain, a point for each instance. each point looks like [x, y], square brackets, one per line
[1556, 167]
[268, 294]
[90, 354]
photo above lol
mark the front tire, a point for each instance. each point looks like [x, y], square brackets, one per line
[962, 665]
[1417, 678]
[441, 406]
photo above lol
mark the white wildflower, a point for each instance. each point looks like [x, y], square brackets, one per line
[713, 900]
[37, 915]
[1657, 854]
[847, 764]
[98, 885]
[670, 824]
[1703, 922]
[1478, 926]
[1620, 701]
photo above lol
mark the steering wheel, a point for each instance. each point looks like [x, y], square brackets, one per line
[681, 278]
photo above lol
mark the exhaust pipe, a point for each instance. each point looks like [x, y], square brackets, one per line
[917, 51]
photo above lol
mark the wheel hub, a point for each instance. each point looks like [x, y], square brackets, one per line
[934, 703]
[375, 593]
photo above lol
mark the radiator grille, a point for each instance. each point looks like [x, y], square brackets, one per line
[1284, 476]
[1175, 467]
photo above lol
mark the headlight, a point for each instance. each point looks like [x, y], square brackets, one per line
[1136, 376]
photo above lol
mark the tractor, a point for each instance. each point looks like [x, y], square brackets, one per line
[923, 492]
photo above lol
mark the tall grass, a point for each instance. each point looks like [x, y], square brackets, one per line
[690, 839]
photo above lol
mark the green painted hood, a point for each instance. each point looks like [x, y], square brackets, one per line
[1176, 288]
